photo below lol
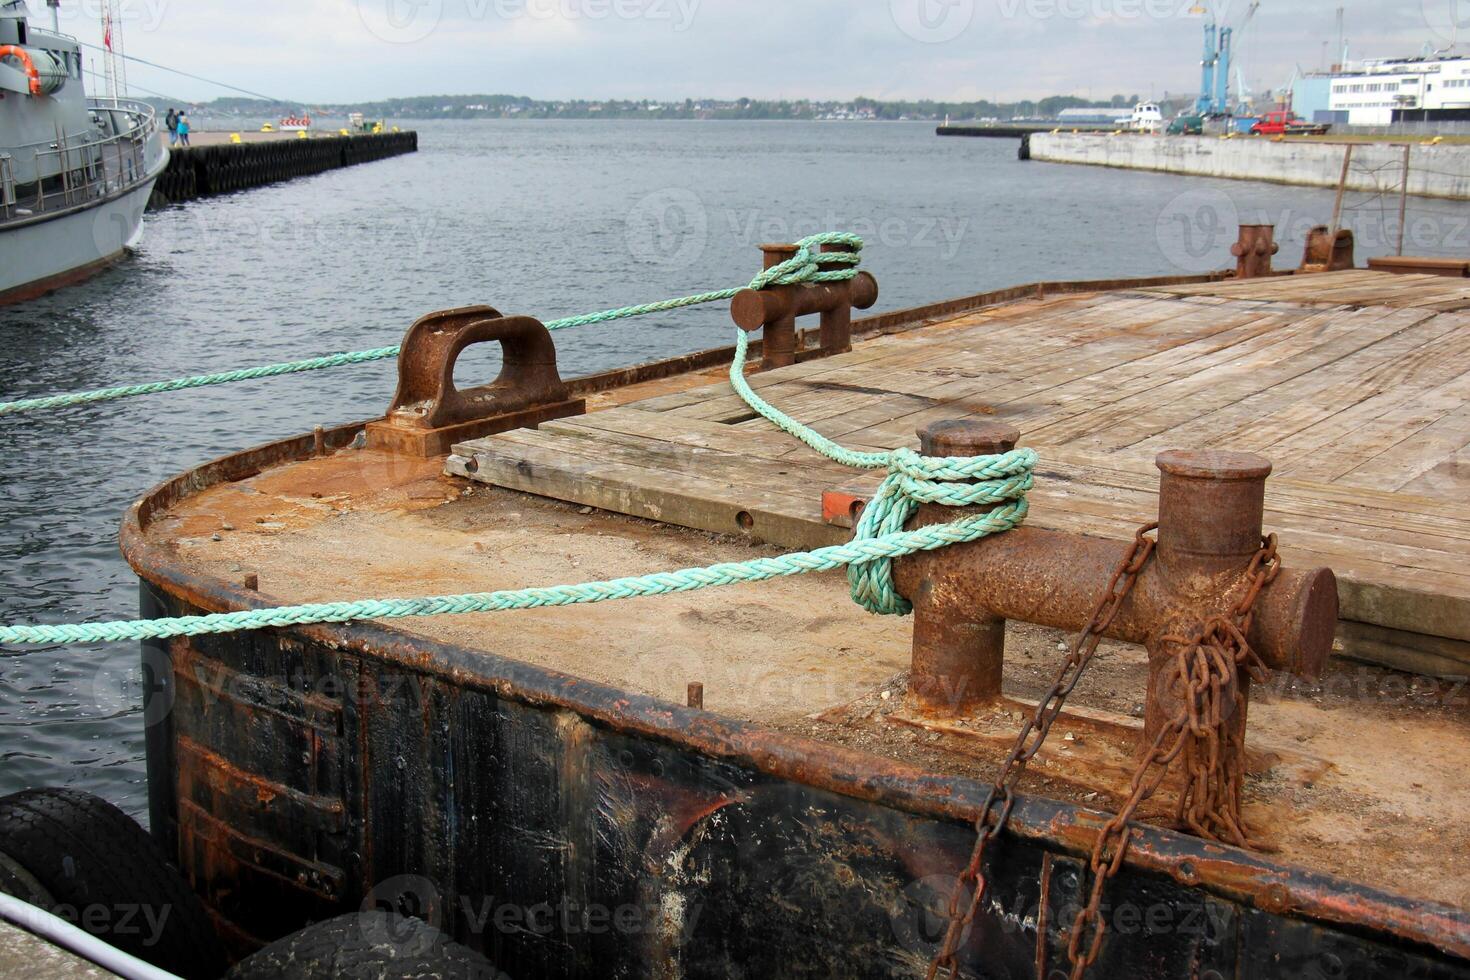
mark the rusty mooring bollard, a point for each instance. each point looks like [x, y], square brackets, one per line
[1210, 517]
[774, 310]
[958, 651]
[1253, 251]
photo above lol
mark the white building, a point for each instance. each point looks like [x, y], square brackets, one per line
[1370, 91]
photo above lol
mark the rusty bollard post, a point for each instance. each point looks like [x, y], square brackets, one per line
[774, 309]
[959, 648]
[1253, 251]
[1210, 514]
[836, 329]
[778, 339]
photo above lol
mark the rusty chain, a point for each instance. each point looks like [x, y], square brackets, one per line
[1203, 675]
[996, 809]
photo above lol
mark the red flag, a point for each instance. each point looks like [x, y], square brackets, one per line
[107, 30]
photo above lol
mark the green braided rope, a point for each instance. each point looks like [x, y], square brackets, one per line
[803, 267]
[997, 481]
[957, 481]
[876, 549]
[198, 381]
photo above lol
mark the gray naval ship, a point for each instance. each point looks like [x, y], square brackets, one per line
[75, 173]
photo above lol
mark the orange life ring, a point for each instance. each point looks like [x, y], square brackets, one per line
[25, 59]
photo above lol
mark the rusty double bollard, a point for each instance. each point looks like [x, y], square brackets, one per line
[1253, 251]
[774, 310]
[1210, 520]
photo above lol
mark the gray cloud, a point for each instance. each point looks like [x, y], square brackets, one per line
[346, 50]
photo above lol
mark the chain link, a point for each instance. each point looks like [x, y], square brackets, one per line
[1204, 674]
[996, 809]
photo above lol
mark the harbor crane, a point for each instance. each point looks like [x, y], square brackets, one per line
[1214, 94]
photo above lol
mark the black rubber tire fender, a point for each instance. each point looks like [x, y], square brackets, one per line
[373, 945]
[104, 874]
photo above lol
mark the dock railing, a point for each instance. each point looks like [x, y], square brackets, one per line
[72, 170]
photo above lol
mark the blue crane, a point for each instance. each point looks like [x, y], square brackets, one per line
[1214, 89]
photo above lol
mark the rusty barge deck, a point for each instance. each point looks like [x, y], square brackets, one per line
[1355, 384]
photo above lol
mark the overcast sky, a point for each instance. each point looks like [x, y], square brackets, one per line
[351, 50]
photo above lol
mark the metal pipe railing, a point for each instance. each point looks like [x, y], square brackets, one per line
[81, 165]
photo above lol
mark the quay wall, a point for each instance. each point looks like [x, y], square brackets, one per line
[204, 171]
[1434, 171]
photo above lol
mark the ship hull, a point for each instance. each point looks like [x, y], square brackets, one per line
[60, 249]
[574, 829]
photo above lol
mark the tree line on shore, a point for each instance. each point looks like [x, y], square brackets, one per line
[524, 107]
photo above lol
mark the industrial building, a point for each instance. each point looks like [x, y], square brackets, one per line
[1383, 91]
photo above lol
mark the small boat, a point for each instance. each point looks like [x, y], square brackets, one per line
[75, 173]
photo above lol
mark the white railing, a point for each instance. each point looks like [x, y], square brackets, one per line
[71, 171]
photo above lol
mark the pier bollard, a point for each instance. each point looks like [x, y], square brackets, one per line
[836, 326]
[778, 340]
[958, 648]
[1253, 251]
[1211, 512]
[774, 309]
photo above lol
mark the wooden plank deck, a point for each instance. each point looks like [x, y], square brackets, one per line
[1356, 384]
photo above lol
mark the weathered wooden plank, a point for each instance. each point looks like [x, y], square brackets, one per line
[656, 495]
[1352, 376]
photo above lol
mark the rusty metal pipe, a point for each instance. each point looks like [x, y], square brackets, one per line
[1055, 578]
[754, 308]
[1211, 507]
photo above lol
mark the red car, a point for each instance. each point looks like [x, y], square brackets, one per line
[1284, 123]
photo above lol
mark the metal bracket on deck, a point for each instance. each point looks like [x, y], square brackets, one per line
[774, 310]
[1326, 252]
[429, 414]
[1211, 508]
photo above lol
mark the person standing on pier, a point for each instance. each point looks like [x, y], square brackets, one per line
[172, 122]
[182, 125]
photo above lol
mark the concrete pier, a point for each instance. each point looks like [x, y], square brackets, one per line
[1434, 170]
[218, 166]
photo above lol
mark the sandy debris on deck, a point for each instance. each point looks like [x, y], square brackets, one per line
[1391, 810]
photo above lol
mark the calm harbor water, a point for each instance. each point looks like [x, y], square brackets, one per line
[544, 218]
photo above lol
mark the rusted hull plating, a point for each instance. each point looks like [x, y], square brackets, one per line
[568, 830]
